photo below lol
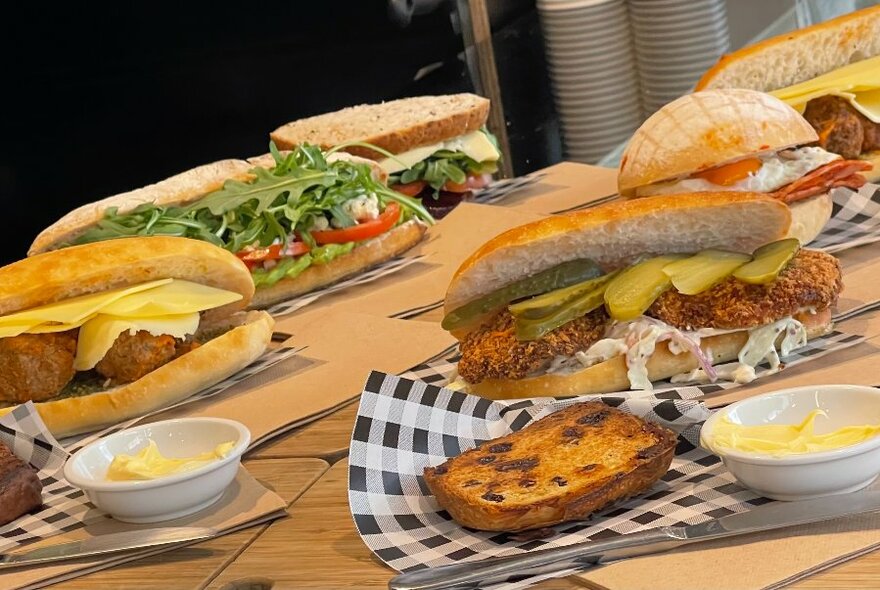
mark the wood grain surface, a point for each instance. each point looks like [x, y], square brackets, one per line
[196, 565]
[327, 438]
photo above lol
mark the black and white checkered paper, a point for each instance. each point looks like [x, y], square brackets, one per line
[377, 272]
[855, 219]
[441, 369]
[501, 189]
[403, 426]
[64, 507]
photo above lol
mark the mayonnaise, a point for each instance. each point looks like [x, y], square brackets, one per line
[786, 439]
[149, 463]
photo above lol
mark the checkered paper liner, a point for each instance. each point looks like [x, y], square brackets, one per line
[441, 369]
[501, 189]
[403, 426]
[265, 361]
[855, 219]
[64, 507]
[377, 272]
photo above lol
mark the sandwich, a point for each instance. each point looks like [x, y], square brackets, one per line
[436, 148]
[299, 220]
[691, 288]
[738, 140]
[829, 72]
[99, 333]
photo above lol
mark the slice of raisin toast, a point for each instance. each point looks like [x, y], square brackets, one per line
[562, 467]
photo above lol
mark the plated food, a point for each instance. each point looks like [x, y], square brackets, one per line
[300, 221]
[20, 488]
[433, 147]
[830, 72]
[562, 467]
[738, 141]
[98, 333]
[693, 287]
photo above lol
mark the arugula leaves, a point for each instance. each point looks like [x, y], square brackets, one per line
[446, 165]
[274, 205]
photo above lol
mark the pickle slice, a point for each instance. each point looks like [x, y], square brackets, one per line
[562, 275]
[543, 305]
[586, 301]
[635, 289]
[769, 260]
[703, 270]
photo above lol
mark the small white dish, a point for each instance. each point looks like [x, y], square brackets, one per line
[804, 475]
[168, 497]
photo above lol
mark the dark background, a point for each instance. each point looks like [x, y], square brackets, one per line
[104, 99]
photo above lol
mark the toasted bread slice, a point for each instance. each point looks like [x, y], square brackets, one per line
[563, 467]
[396, 126]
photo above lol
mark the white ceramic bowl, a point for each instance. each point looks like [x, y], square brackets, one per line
[168, 497]
[804, 475]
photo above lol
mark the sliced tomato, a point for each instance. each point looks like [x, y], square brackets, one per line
[730, 173]
[410, 189]
[471, 183]
[273, 252]
[362, 231]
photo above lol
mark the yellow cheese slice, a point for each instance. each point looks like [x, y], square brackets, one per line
[97, 335]
[475, 145]
[173, 298]
[70, 313]
[858, 83]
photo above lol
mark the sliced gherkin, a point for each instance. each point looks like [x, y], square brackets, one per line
[562, 275]
[633, 291]
[543, 305]
[704, 270]
[769, 260]
[587, 300]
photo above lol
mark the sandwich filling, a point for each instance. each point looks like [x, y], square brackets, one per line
[443, 174]
[94, 341]
[789, 175]
[773, 309]
[307, 210]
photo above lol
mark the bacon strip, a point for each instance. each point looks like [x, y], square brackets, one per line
[831, 175]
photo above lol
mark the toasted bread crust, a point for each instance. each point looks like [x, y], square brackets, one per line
[396, 126]
[563, 467]
[812, 51]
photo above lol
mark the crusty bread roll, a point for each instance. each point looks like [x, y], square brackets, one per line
[800, 55]
[615, 234]
[180, 189]
[217, 359]
[611, 375]
[191, 185]
[396, 126]
[809, 216]
[707, 129]
[92, 268]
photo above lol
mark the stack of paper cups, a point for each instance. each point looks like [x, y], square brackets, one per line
[593, 71]
[676, 41]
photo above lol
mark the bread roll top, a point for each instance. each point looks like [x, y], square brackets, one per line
[801, 55]
[92, 268]
[396, 126]
[180, 189]
[615, 234]
[706, 129]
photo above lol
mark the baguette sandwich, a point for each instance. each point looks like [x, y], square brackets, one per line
[738, 140]
[299, 220]
[433, 147]
[100, 333]
[829, 72]
[693, 287]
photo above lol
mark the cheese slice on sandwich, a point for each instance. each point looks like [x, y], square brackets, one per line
[476, 146]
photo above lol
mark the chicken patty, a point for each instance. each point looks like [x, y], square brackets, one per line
[493, 352]
[134, 355]
[811, 280]
[35, 367]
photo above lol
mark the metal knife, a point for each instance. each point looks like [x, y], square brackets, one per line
[580, 556]
[102, 544]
